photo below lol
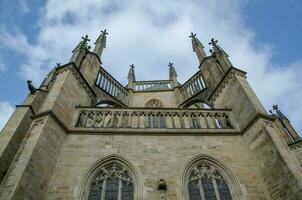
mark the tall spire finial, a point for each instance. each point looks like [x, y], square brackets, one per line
[100, 43]
[172, 74]
[80, 51]
[193, 35]
[278, 112]
[131, 77]
[214, 43]
[197, 47]
[83, 45]
[222, 57]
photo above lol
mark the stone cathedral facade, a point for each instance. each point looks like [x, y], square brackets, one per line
[83, 135]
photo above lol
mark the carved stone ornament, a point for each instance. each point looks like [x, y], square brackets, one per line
[162, 184]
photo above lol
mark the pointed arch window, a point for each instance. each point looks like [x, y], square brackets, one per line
[112, 182]
[205, 182]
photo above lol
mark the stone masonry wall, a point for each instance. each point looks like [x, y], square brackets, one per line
[166, 97]
[32, 167]
[274, 167]
[155, 157]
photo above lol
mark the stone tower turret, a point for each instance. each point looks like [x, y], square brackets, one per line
[100, 44]
[80, 51]
[173, 75]
[198, 48]
[131, 77]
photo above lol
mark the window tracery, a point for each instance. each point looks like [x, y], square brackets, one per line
[112, 182]
[153, 103]
[205, 182]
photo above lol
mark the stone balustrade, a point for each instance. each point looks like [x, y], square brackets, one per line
[142, 118]
[193, 86]
[152, 85]
[107, 83]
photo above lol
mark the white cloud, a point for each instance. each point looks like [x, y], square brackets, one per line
[2, 66]
[152, 34]
[6, 111]
[23, 6]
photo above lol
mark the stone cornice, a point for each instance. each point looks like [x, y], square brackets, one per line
[228, 77]
[152, 109]
[53, 116]
[26, 106]
[82, 81]
[255, 119]
[295, 145]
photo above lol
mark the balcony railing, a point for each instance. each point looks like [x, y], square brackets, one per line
[152, 85]
[194, 85]
[139, 118]
[107, 83]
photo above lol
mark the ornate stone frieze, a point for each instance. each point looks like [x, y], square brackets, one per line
[230, 78]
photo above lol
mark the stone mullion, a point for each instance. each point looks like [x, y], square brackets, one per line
[196, 85]
[104, 189]
[119, 119]
[130, 119]
[190, 120]
[206, 120]
[104, 119]
[105, 82]
[201, 190]
[96, 80]
[85, 119]
[142, 119]
[110, 87]
[172, 120]
[114, 89]
[222, 121]
[119, 189]
[101, 78]
[201, 81]
[216, 188]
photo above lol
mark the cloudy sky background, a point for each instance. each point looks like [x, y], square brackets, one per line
[261, 37]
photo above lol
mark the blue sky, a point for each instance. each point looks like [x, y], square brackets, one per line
[261, 37]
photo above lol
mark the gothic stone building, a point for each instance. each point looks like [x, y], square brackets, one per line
[83, 135]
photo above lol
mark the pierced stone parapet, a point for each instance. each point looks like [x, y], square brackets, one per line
[108, 84]
[193, 86]
[111, 118]
[153, 85]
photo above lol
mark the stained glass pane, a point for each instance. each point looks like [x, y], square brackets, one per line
[111, 192]
[95, 192]
[208, 189]
[224, 191]
[194, 192]
[127, 190]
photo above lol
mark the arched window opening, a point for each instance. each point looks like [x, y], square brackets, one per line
[199, 105]
[112, 182]
[205, 182]
[104, 105]
[153, 103]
